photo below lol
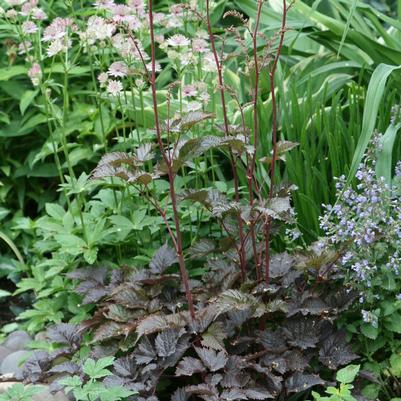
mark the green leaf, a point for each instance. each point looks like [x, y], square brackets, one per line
[90, 255]
[348, 374]
[371, 391]
[393, 323]
[10, 72]
[373, 99]
[71, 243]
[97, 369]
[384, 157]
[395, 363]
[347, 26]
[369, 331]
[116, 393]
[122, 223]
[4, 293]
[55, 210]
[26, 100]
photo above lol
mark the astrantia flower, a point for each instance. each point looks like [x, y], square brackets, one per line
[104, 4]
[98, 29]
[57, 29]
[200, 46]
[138, 6]
[178, 41]
[140, 83]
[172, 22]
[29, 27]
[35, 74]
[38, 14]
[27, 8]
[24, 47]
[102, 78]
[186, 58]
[159, 18]
[177, 10]
[120, 12]
[126, 47]
[209, 63]
[58, 46]
[204, 97]
[159, 39]
[15, 2]
[11, 13]
[158, 67]
[132, 22]
[189, 90]
[118, 69]
[114, 87]
[193, 106]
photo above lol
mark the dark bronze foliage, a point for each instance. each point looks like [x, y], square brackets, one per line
[250, 342]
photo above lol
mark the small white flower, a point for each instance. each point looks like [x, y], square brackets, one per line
[57, 46]
[102, 78]
[29, 27]
[35, 74]
[193, 106]
[38, 14]
[209, 63]
[11, 14]
[158, 67]
[114, 87]
[118, 69]
[178, 41]
[200, 46]
[189, 91]
[140, 84]
[204, 97]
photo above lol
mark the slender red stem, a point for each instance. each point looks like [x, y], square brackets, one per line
[171, 176]
[163, 214]
[219, 67]
[252, 164]
[274, 137]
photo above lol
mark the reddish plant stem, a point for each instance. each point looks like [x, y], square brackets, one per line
[274, 137]
[163, 214]
[171, 176]
[140, 55]
[227, 133]
[252, 164]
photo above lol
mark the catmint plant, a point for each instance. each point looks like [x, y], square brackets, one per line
[366, 221]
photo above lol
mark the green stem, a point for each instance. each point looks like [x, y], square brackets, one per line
[66, 103]
[399, 9]
[11, 244]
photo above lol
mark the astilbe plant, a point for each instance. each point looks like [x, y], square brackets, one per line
[178, 146]
[224, 354]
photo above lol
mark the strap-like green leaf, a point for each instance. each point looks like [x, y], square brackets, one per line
[372, 103]
[384, 157]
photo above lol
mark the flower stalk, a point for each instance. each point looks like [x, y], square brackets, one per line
[170, 172]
